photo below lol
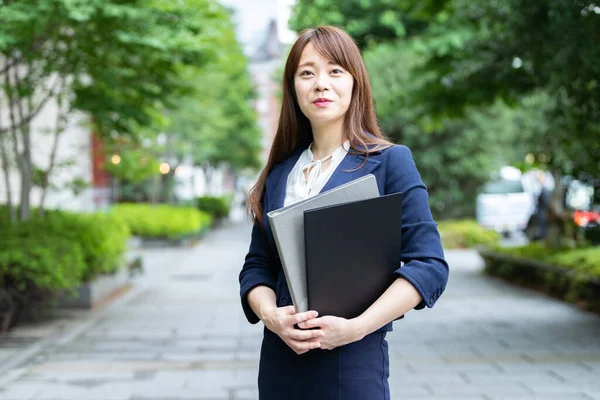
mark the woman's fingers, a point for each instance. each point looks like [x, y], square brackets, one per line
[289, 310]
[304, 316]
[302, 347]
[298, 340]
[312, 323]
[297, 334]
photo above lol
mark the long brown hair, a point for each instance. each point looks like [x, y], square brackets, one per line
[360, 123]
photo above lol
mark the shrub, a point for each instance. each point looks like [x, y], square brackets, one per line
[583, 260]
[102, 238]
[459, 234]
[32, 270]
[569, 274]
[218, 207]
[162, 221]
[55, 253]
[40, 263]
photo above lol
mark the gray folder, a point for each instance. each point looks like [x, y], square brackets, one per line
[287, 224]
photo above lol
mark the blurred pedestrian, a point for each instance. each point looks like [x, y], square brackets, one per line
[537, 226]
[327, 136]
[542, 207]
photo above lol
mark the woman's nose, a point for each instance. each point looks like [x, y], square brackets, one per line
[322, 82]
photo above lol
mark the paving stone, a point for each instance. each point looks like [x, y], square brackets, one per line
[563, 396]
[540, 377]
[108, 392]
[398, 388]
[558, 388]
[55, 391]
[160, 390]
[442, 367]
[406, 380]
[198, 356]
[19, 391]
[478, 389]
[246, 394]
[429, 397]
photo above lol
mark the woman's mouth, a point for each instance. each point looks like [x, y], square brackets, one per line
[322, 102]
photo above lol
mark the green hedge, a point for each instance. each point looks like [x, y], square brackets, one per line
[466, 233]
[218, 207]
[583, 260]
[162, 221]
[45, 256]
[568, 274]
[43, 263]
[101, 237]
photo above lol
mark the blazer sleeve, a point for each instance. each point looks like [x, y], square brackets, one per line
[422, 253]
[258, 269]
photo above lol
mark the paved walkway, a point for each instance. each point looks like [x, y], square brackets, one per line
[180, 334]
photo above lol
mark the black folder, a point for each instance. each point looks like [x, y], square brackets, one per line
[352, 251]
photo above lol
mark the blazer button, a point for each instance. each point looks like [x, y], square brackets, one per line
[285, 301]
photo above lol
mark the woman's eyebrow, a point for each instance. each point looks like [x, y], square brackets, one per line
[311, 63]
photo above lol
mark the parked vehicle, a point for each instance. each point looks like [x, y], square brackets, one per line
[584, 218]
[504, 206]
[589, 224]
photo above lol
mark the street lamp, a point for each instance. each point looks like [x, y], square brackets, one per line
[164, 168]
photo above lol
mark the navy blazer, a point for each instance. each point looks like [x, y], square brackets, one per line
[395, 171]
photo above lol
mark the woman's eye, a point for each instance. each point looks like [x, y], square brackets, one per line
[337, 71]
[305, 73]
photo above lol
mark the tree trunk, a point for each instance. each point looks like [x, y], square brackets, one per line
[9, 88]
[557, 217]
[192, 184]
[61, 119]
[208, 177]
[155, 190]
[26, 164]
[5, 168]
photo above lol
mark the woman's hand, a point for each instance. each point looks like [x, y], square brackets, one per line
[336, 331]
[281, 321]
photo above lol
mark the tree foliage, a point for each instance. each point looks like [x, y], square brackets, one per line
[216, 121]
[474, 52]
[456, 59]
[455, 156]
[124, 63]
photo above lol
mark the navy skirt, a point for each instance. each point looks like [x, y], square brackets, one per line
[357, 371]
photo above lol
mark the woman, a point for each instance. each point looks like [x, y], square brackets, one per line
[327, 136]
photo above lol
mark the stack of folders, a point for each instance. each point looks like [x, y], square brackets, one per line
[340, 248]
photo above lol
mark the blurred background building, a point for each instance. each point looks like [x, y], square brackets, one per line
[262, 29]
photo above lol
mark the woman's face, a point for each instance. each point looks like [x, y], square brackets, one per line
[323, 88]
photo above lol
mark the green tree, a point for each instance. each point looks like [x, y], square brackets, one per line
[118, 61]
[474, 52]
[216, 122]
[211, 122]
[454, 156]
[367, 21]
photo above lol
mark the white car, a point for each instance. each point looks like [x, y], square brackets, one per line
[504, 206]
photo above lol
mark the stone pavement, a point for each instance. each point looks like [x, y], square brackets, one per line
[180, 334]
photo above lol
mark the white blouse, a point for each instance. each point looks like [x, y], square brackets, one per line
[300, 187]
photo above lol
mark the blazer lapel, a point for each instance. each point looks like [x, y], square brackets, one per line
[347, 170]
[278, 197]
